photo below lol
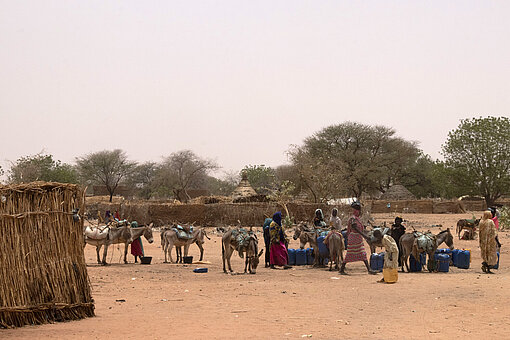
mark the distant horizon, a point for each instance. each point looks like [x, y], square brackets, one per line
[240, 82]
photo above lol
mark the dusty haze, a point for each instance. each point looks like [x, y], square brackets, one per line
[240, 81]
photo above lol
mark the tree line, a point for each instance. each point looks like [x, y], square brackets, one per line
[343, 160]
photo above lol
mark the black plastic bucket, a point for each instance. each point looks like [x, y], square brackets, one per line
[188, 259]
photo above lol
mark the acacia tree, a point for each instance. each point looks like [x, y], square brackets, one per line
[41, 168]
[142, 178]
[182, 171]
[353, 158]
[477, 156]
[261, 177]
[106, 167]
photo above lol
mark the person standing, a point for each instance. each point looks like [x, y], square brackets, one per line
[278, 255]
[355, 236]
[488, 244]
[397, 230]
[267, 239]
[391, 252]
[136, 245]
[335, 222]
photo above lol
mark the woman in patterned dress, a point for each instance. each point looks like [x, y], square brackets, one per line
[488, 245]
[355, 235]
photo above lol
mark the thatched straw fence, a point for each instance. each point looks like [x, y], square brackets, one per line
[43, 277]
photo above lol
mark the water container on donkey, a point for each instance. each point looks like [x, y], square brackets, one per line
[323, 250]
[300, 257]
[292, 257]
[344, 235]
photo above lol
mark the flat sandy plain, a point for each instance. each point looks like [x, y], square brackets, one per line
[169, 301]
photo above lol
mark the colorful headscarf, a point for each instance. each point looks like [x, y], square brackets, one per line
[267, 222]
[277, 218]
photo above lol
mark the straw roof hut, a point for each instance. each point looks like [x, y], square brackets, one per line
[43, 277]
[397, 192]
[244, 189]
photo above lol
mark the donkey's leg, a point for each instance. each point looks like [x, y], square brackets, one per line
[125, 252]
[229, 251]
[105, 252]
[165, 250]
[98, 249]
[246, 263]
[201, 250]
[332, 257]
[223, 256]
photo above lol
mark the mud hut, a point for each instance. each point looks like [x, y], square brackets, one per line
[244, 191]
[397, 192]
[43, 277]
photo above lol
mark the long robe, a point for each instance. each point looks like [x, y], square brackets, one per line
[278, 252]
[391, 247]
[487, 239]
[355, 247]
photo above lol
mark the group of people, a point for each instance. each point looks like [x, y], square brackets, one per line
[276, 241]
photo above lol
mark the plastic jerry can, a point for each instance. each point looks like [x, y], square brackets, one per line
[323, 250]
[497, 264]
[455, 256]
[300, 257]
[390, 275]
[344, 235]
[292, 257]
[377, 262]
[414, 266]
[309, 256]
[463, 259]
[443, 262]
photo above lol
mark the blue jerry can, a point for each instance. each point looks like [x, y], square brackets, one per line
[463, 259]
[455, 256]
[497, 264]
[292, 257]
[300, 257]
[323, 250]
[414, 266]
[377, 262]
[309, 256]
[443, 262]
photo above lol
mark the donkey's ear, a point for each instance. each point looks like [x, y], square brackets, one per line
[261, 251]
[151, 224]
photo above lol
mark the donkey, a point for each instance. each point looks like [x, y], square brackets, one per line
[229, 243]
[123, 234]
[336, 248]
[199, 236]
[169, 239]
[307, 236]
[374, 242]
[408, 245]
[470, 225]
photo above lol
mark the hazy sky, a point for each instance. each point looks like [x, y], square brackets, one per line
[239, 81]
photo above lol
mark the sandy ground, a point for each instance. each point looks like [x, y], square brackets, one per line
[170, 301]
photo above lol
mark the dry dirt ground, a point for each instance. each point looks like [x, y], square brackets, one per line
[170, 301]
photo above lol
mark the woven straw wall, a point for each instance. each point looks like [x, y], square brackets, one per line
[43, 277]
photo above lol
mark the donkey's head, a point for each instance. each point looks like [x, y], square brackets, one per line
[252, 255]
[147, 233]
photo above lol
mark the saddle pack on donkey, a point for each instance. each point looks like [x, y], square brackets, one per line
[242, 238]
[183, 232]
